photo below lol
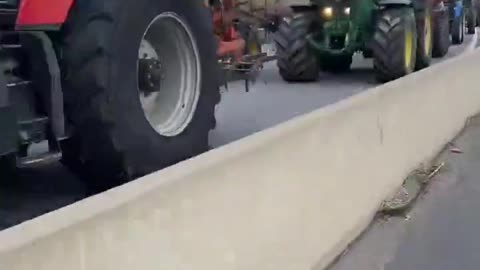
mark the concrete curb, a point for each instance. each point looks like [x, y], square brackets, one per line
[473, 43]
[412, 187]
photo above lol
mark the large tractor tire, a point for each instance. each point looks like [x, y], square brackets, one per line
[336, 64]
[441, 35]
[394, 43]
[458, 29]
[476, 6]
[478, 18]
[140, 86]
[471, 19]
[424, 24]
[295, 60]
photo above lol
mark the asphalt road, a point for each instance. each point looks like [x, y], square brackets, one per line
[441, 231]
[270, 102]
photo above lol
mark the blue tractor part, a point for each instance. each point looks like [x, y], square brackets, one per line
[457, 21]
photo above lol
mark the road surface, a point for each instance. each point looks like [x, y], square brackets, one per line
[441, 230]
[270, 102]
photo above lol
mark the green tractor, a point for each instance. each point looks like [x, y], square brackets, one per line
[324, 35]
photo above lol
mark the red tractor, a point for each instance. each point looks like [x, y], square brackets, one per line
[118, 88]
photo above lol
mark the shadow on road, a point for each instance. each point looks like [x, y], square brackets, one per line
[35, 191]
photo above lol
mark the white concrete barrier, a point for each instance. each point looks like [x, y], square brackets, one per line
[288, 198]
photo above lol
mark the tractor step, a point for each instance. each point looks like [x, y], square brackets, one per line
[33, 130]
[10, 46]
[38, 160]
[18, 83]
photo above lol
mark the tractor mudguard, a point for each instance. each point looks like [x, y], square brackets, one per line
[42, 14]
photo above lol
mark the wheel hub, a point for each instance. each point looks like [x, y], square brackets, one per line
[150, 75]
[168, 74]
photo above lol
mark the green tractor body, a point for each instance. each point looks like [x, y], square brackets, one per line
[323, 35]
[342, 28]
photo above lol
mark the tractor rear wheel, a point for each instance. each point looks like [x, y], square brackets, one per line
[478, 18]
[140, 86]
[476, 6]
[458, 29]
[424, 38]
[336, 64]
[441, 35]
[295, 60]
[394, 43]
[471, 20]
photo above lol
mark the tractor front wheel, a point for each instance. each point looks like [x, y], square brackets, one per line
[458, 29]
[394, 44]
[424, 38]
[140, 87]
[295, 60]
[471, 20]
[441, 35]
[476, 6]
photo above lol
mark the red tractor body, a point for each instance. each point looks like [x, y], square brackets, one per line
[42, 13]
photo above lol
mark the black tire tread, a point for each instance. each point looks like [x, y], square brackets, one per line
[388, 43]
[295, 61]
[423, 58]
[471, 20]
[441, 36]
[457, 34]
[87, 56]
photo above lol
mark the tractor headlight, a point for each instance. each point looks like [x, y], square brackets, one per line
[327, 12]
[347, 11]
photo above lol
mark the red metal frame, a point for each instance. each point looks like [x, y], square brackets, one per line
[229, 40]
[42, 12]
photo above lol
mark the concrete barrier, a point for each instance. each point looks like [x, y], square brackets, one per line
[288, 198]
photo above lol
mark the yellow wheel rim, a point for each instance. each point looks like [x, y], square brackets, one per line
[408, 49]
[428, 34]
[253, 48]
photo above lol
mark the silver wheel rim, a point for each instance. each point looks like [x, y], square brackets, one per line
[168, 74]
